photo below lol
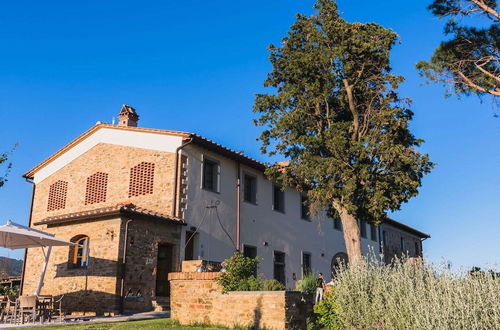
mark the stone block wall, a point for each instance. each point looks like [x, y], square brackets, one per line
[197, 297]
[392, 245]
[140, 274]
[116, 161]
[90, 290]
[95, 289]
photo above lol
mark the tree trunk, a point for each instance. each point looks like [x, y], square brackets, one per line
[352, 235]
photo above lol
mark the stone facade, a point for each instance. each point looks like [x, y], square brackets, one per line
[140, 273]
[91, 289]
[116, 161]
[95, 289]
[197, 297]
[397, 242]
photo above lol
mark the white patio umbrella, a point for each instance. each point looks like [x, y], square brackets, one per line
[15, 236]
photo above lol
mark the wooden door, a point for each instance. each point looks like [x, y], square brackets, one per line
[163, 267]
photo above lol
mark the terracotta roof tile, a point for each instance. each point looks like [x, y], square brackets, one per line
[119, 209]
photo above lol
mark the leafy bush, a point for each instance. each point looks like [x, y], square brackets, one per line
[238, 271]
[327, 312]
[250, 284]
[272, 285]
[410, 295]
[307, 285]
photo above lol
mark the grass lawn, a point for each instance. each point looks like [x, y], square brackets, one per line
[144, 324]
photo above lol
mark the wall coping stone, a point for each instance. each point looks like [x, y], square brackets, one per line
[193, 276]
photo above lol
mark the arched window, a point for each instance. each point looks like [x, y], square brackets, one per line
[141, 179]
[57, 195]
[79, 253]
[97, 185]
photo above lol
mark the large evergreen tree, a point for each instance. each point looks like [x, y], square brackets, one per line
[469, 62]
[334, 113]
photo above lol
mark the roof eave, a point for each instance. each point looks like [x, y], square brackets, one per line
[118, 212]
[407, 228]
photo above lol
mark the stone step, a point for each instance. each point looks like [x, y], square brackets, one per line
[161, 304]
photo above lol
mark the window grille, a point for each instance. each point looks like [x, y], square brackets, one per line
[57, 195]
[141, 179]
[97, 185]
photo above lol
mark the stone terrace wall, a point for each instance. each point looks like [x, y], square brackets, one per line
[197, 297]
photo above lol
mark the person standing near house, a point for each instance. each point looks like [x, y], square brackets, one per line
[320, 288]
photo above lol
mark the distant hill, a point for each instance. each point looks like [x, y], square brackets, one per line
[10, 267]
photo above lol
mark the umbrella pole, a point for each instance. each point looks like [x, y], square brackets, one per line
[44, 269]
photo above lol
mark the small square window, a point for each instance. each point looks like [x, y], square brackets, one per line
[250, 188]
[304, 207]
[249, 251]
[211, 173]
[278, 199]
[337, 224]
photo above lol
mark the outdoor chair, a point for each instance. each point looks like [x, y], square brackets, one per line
[28, 307]
[4, 301]
[9, 311]
[44, 306]
[56, 308]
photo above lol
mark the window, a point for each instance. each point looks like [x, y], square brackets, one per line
[249, 251]
[384, 237]
[250, 188]
[304, 207]
[79, 253]
[373, 232]
[210, 180]
[362, 228]
[95, 191]
[190, 245]
[278, 199]
[417, 249]
[279, 267]
[57, 195]
[141, 179]
[306, 264]
[337, 224]
[402, 244]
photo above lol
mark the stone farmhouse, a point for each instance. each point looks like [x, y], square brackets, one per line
[138, 201]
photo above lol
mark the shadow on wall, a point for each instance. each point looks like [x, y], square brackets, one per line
[96, 267]
[257, 314]
[90, 302]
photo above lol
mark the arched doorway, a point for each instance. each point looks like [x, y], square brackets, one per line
[338, 259]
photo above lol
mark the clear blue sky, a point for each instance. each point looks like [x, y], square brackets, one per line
[196, 65]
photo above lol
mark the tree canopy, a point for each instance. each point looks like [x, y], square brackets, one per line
[468, 63]
[335, 114]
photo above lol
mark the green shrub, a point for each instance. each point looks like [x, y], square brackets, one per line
[272, 285]
[250, 284]
[238, 271]
[328, 312]
[410, 295]
[307, 285]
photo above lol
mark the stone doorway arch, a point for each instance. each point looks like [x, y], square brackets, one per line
[338, 259]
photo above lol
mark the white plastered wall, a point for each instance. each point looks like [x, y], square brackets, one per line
[285, 232]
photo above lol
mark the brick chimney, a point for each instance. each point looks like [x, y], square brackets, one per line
[128, 116]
